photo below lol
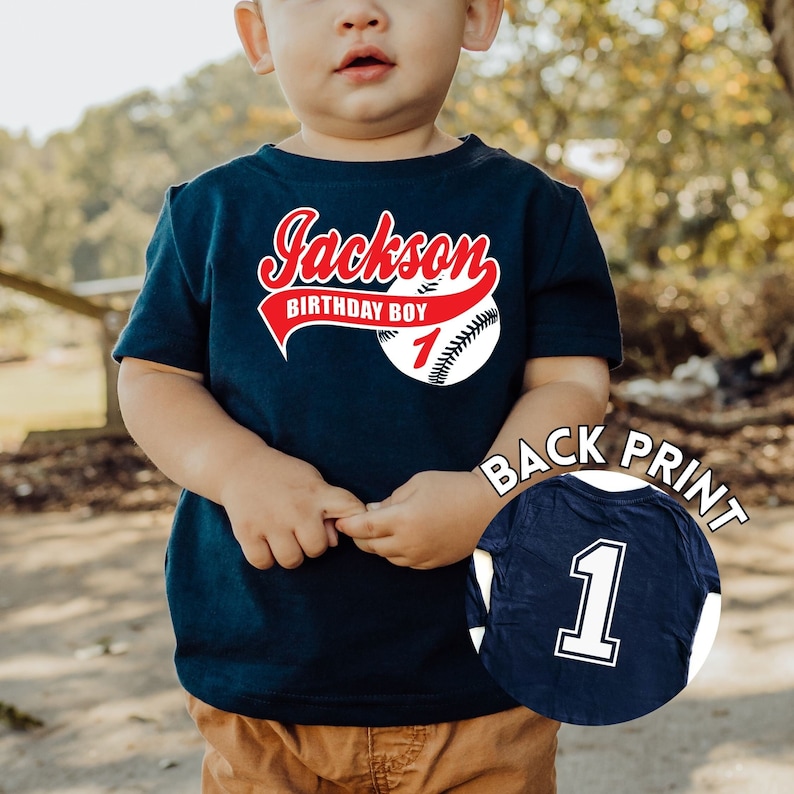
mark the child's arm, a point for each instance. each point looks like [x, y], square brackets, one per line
[279, 506]
[437, 517]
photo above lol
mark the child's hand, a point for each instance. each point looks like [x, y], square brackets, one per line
[435, 519]
[282, 510]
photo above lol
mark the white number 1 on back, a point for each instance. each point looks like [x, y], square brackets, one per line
[600, 566]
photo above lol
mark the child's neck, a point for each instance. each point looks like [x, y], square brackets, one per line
[405, 145]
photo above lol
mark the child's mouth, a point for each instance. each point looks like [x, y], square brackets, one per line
[365, 64]
[368, 61]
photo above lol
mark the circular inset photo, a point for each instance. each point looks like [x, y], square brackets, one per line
[593, 598]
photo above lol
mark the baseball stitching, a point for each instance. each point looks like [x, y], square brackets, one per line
[445, 361]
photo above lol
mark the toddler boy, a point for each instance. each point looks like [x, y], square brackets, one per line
[333, 333]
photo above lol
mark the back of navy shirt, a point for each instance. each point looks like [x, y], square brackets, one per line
[373, 319]
[595, 601]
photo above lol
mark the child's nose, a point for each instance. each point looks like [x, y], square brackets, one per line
[362, 15]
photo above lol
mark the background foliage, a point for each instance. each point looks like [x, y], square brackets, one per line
[670, 116]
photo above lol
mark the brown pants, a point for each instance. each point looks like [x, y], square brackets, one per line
[507, 753]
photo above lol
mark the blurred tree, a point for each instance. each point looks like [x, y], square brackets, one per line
[778, 16]
[669, 115]
[224, 111]
[116, 156]
[39, 208]
[116, 164]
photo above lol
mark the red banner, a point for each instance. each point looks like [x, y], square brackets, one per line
[289, 309]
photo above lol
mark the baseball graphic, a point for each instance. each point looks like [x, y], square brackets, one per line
[445, 353]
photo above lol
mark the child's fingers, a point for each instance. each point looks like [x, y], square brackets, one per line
[286, 550]
[289, 550]
[259, 554]
[370, 546]
[339, 503]
[388, 548]
[375, 523]
[330, 531]
[313, 538]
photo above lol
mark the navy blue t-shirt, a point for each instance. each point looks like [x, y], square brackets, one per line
[595, 599]
[373, 319]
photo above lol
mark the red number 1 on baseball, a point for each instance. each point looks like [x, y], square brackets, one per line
[426, 344]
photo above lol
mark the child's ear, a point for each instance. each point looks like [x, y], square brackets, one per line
[253, 35]
[482, 22]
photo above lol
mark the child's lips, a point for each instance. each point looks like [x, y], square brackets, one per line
[364, 63]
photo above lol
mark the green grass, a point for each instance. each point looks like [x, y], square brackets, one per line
[64, 389]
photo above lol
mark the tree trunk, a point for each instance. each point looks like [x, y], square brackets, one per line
[778, 16]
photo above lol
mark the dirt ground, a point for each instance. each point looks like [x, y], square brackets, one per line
[85, 648]
[98, 474]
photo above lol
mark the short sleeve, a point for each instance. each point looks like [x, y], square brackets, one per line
[168, 323]
[701, 558]
[572, 307]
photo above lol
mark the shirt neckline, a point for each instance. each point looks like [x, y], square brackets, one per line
[625, 497]
[305, 168]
